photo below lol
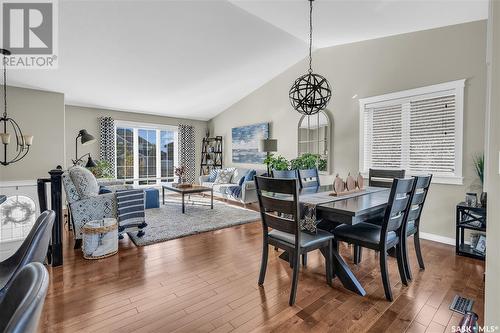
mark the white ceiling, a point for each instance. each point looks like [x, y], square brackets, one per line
[345, 21]
[194, 59]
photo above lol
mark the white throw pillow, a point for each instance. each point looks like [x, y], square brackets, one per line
[224, 176]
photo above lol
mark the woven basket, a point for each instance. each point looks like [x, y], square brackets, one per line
[100, 238]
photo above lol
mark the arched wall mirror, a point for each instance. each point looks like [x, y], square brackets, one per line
[314, 138]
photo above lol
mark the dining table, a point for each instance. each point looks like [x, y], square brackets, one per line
[349, 208]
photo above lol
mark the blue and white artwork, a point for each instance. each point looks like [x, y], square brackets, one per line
[245, 142]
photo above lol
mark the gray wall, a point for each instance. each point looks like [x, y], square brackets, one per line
[81, 117]
[41, 114]
[371, 68]
[492, 290]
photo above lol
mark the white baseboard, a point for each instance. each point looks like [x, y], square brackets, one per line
[437, 238]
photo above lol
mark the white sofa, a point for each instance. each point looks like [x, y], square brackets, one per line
[248, 192]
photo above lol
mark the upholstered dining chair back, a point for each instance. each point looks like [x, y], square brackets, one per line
[383, 178]
[23, 302]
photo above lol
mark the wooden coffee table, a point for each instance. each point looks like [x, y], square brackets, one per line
[187, 190]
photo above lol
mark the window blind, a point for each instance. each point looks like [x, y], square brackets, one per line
[432, 135]
[384, 139]
[419, 130]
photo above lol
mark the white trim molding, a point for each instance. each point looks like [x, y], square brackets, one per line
[405, 97]
[437, 238]
[17, 183]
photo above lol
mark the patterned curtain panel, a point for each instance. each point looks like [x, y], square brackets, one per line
[107, 144]
[187, 151]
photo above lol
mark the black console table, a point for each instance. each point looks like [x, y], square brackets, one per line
[470, 218]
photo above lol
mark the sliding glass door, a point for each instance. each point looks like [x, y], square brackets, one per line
[147, 156]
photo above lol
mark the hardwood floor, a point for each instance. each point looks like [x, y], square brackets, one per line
[208, 283]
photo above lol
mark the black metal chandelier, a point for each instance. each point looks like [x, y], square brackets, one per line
[22, 142]
[311, 92]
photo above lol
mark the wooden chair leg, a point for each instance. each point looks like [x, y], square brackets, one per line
[291, 259]
[357, 254]
[401, 264]
[335, 247]
[416, 240]
[328, 264]
[304, 259]
[295, 277]
[263, 263]
[385, 275]
[406, 261]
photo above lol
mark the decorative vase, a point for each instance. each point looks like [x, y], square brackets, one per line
[338, 184]
[350, 183]
[471, 199]
[483, 199]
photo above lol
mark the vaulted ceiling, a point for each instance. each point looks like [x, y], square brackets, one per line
[194, 59]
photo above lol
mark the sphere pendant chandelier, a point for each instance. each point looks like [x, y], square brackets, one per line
[7, 124]
[311, 92]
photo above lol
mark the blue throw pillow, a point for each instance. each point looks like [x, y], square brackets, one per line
[103, 190]
[249, 176]
[213, 175]
[242, 180]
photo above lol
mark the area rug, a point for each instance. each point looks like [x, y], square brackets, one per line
[168, 222]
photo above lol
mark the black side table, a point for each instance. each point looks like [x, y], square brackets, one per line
[471, 218]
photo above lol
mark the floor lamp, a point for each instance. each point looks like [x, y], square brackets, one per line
[268, 146]
[85, 139]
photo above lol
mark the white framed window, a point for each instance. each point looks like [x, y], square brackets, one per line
[419, 130]
[145, 153]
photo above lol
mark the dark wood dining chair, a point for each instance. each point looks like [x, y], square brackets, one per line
[309, 178]
[378, 178]
[388, 234]
[383, 178]
[288, 174]
[280, 196]
[421, 188]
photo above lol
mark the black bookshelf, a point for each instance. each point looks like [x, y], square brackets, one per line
[211, 155]
[469, 218]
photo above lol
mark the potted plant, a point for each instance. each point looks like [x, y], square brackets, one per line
[180, 172]
[277, 162]
[479, 168]
[102, 169]
[309, 161]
